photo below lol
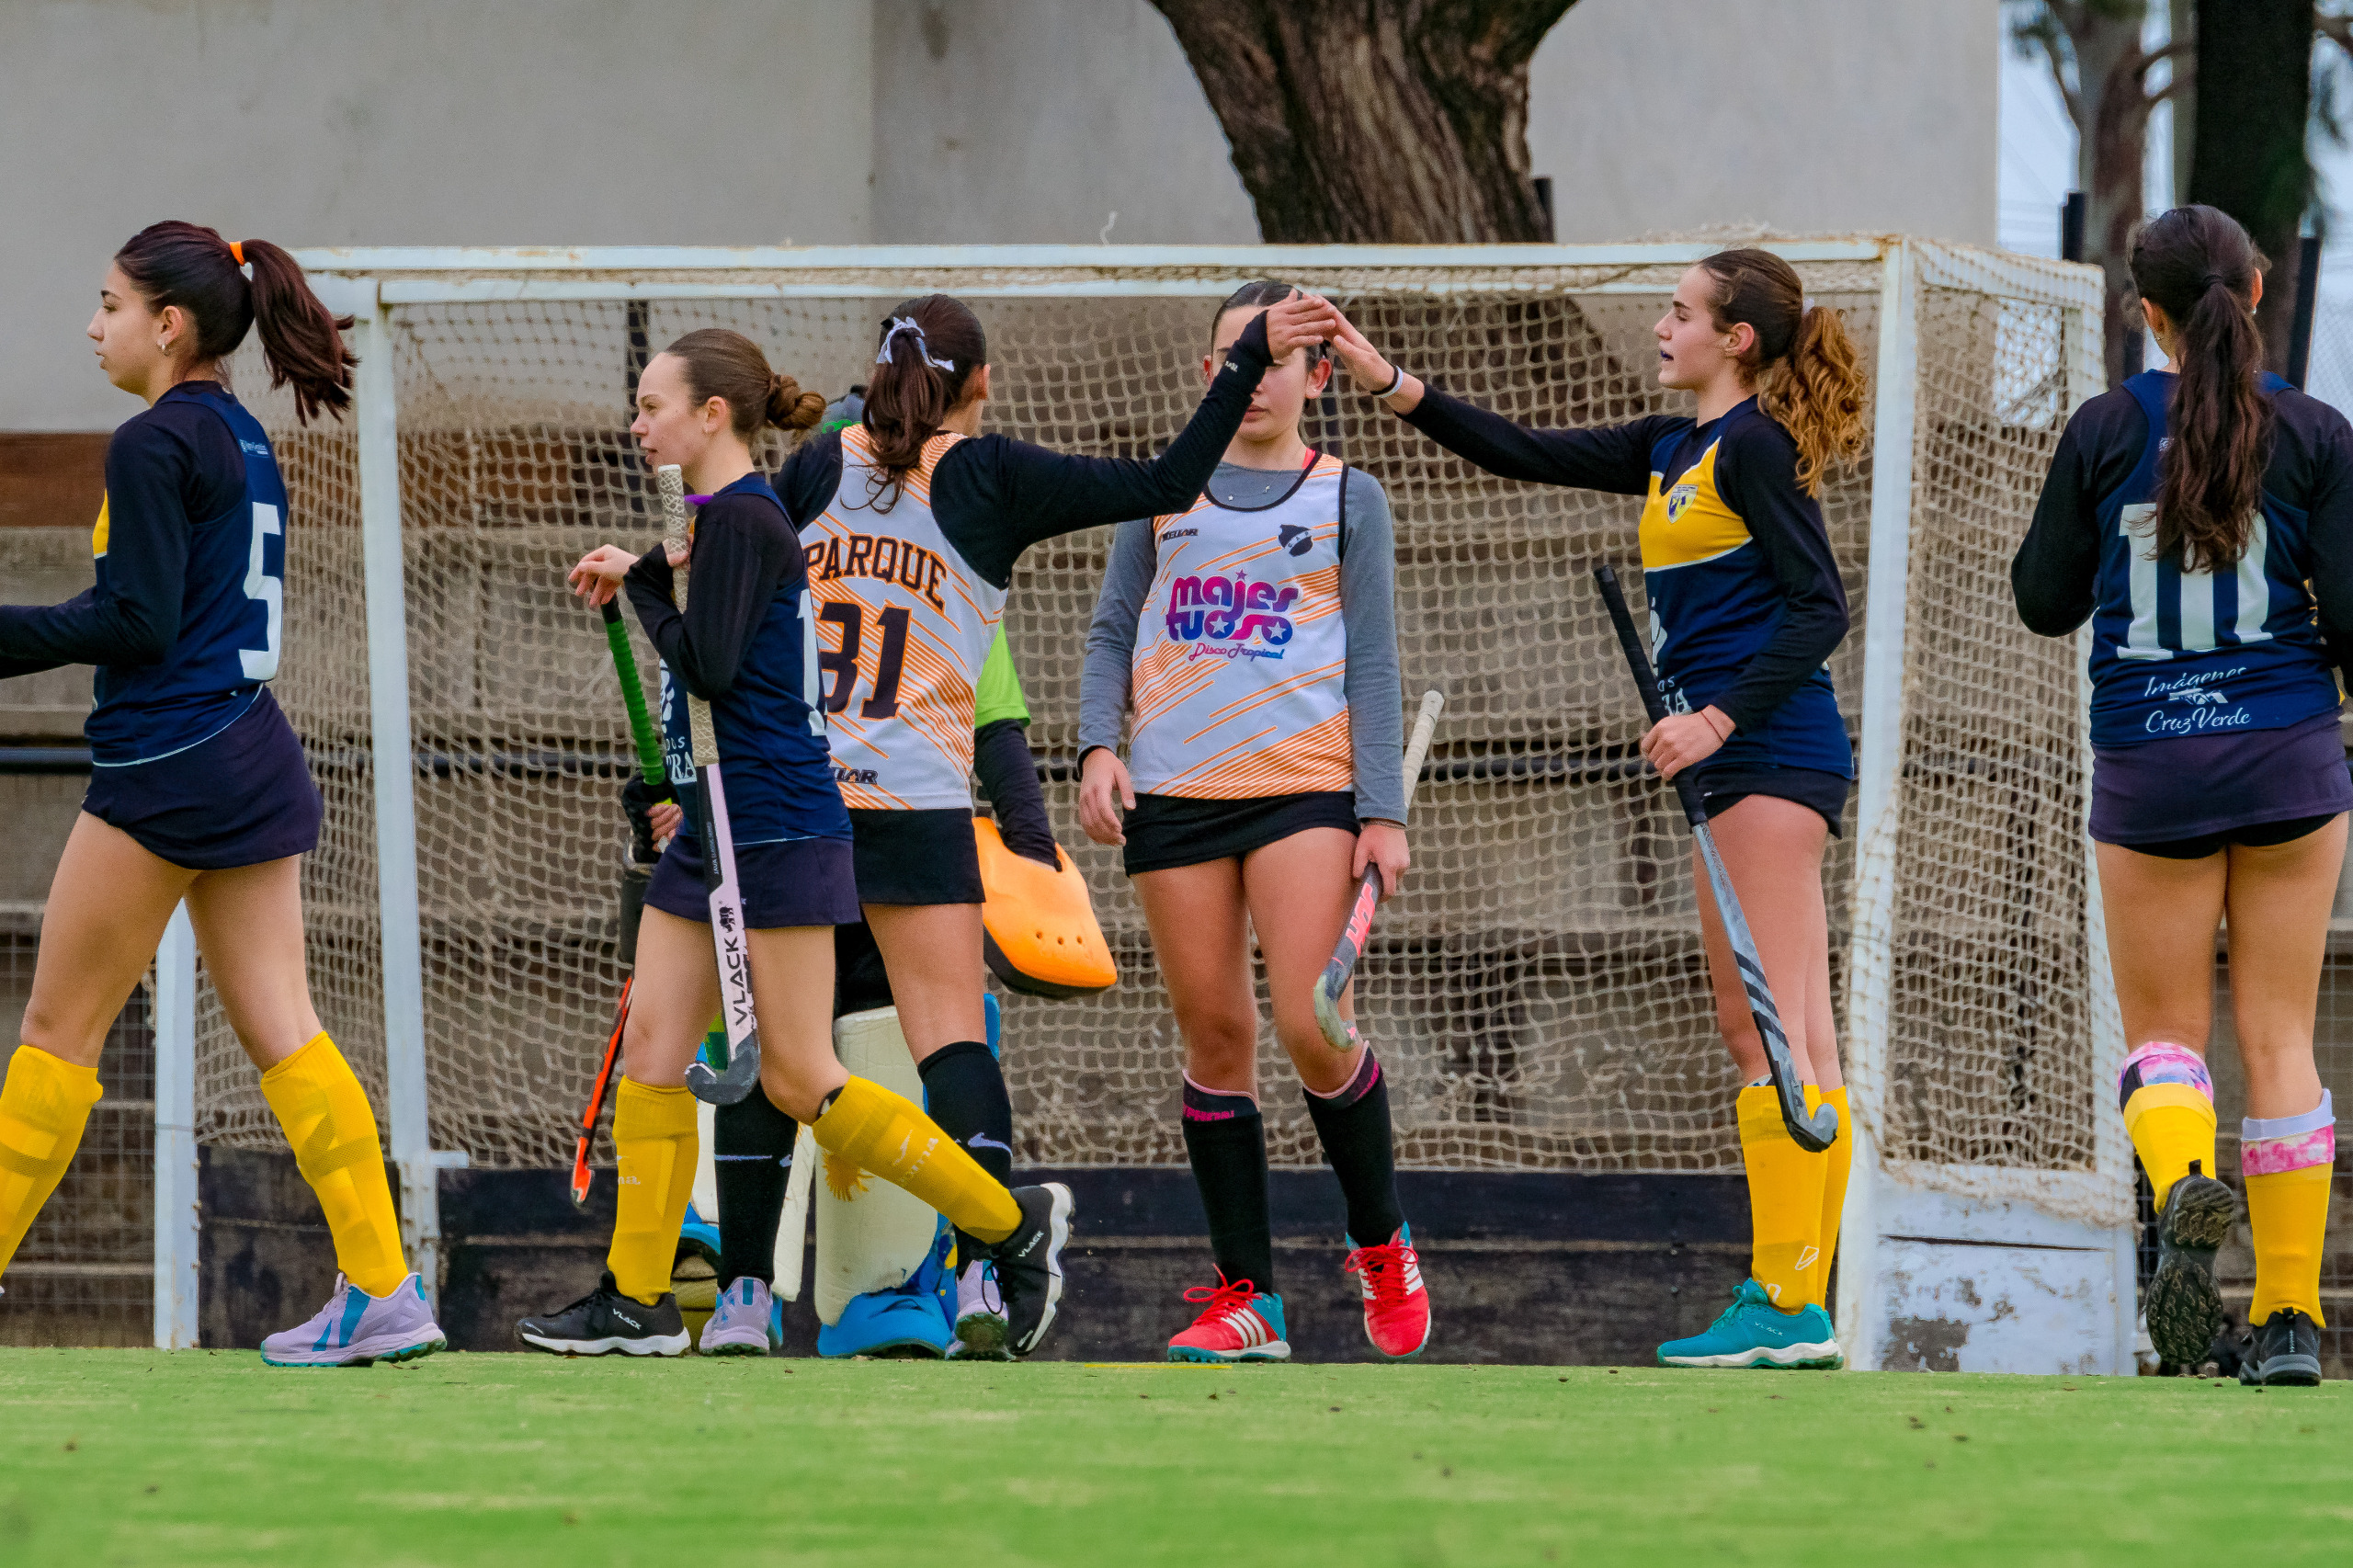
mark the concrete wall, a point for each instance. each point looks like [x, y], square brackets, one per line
[405, 122]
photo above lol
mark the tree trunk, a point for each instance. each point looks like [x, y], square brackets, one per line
[2112, 139]
[1374, 121]
[2248, 158]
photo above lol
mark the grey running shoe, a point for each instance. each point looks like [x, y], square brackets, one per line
[981, 1328]
[744, 1323]
[1029, 1263]
[2185, 1311]
[356, 1329]
[2284, 1350]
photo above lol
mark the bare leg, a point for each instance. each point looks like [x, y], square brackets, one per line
[2279, 900]
[1201, 938]
[1300, 892]
[107, 907]
[672, 1001]
[2162, 915]
[792, 987]
[1772, 849]
[932, 952]
[249, 925]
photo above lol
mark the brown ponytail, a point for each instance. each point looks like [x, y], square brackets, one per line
[729, 367]
[301, 343]
[927, 352]
[1805, 366]
[2199, 266]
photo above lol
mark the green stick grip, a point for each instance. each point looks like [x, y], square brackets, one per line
[640, 723]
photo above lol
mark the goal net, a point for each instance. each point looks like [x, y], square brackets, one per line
[1538, 994]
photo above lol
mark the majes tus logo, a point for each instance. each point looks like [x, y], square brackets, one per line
[1230, 611]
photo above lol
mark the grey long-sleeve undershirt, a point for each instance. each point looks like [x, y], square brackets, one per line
[1367, 603]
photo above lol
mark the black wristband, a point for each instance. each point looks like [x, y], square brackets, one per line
[1395, 381]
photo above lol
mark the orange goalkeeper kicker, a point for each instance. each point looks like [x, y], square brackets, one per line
[1037, 926]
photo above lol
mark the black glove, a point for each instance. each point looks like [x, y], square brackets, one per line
[638, 800]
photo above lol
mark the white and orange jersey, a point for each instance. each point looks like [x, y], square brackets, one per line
[1237, 688]
[904, 625]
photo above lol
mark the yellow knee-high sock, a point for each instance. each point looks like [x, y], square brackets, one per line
[879, 1131]
[1784, 1202]
[2168, 1103]
[654, 1134]
[1837, 1162]
[325, 1112]
[43, 1107]
[2289, 1162]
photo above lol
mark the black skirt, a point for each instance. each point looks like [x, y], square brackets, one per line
[916, 856]
[1168, 830]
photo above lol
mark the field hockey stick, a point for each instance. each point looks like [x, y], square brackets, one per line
[728, 938]
[1340, 1033]
[634, 876]
[1816, 1131]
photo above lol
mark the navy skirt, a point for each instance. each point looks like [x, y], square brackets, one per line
[243, 797]
[798, 881]
[2195, 787]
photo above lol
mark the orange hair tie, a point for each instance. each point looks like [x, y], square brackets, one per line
[237, 249]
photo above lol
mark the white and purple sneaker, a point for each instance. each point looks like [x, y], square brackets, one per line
[356, 1329]
[744, 1323]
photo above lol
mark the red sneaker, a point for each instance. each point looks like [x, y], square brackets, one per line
[1238, 1323]
[1396, 1307]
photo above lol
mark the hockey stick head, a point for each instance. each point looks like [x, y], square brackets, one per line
[731, 1086]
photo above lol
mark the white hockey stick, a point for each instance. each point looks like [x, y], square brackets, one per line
[727, 933]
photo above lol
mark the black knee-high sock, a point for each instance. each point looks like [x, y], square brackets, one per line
[1353, 1124]
[963, 1090]
[751, 1155]
[1225, 1140]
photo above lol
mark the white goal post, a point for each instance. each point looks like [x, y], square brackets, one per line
[1536, 994]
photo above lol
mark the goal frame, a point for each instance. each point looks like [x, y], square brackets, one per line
[1968, 1216]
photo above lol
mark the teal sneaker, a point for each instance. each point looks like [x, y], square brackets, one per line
[1753, 1332]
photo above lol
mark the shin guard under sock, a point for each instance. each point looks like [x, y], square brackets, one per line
[963, 1091]
[44, 1105]
[656, 1138]
[879, 1131]
[1352, 1122]
[752, 1157]
[2167, 1098]
[325, 1111]
[2288, 1162]
[1225, 1142]
[1839, 1161]
[1785, 1185]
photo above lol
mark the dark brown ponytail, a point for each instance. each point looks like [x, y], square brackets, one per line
[928, 350]
[1807, 374]
[2199, 266]
[301, 343]
[729, 367]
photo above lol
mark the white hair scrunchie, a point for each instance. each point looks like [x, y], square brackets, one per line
[923, 349]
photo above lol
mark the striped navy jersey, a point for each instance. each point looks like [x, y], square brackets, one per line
[233, 610]
[2177, 653]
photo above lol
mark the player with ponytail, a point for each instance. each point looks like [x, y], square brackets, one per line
[1746, 606]
[2201, 516]
[199, 789]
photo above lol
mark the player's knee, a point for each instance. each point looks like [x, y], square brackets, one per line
[61, 1034]
[1221, 1051]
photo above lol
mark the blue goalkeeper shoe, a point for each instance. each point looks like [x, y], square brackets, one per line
[907, 1323]
[1753, 1332]
[356, 1329]
[698, 1236]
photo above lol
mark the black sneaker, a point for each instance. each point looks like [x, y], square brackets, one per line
[2184, 1310]
[605, 1320]
[1030, 1263]
[2285, 1350]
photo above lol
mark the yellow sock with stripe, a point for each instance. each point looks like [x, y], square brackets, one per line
[2289, 1162]
[1785, 1185]
[886, 1133]
[43, 1107]
[325, 1111]
[2168, 1103]
[1837, 1162]
[655, 1137]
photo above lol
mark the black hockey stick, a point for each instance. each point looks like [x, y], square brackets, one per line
[728, 937]
[1340, 1033]
[1816, 1131]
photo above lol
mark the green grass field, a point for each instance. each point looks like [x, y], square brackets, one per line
[142, 1457]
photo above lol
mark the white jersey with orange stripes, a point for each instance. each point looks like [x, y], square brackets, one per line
[904, 625]
[1237, 688]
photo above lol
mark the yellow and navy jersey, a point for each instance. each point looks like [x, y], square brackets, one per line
[185, 617]
[2246, 648]
[1747, 604]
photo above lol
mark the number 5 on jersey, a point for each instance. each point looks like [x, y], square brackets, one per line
[268, 588]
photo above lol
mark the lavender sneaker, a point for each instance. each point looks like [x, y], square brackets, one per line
[744, 1323]
[355, 1329]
